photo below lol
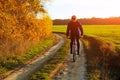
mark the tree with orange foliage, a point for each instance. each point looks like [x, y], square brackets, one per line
[19, 27]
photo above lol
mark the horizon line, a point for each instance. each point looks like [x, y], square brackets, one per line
[88, 17]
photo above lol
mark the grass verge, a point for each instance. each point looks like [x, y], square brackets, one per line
[46, 70]
[9, 63]
[102, 60]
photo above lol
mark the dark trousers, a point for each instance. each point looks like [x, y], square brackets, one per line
[78, 44]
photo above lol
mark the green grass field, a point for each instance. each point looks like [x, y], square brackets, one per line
[108, 33]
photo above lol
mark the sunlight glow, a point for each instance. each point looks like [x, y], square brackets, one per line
[83, 8]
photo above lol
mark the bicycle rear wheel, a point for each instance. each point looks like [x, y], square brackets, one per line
[74, 57]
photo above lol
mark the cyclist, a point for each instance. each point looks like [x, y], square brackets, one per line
[74, 32]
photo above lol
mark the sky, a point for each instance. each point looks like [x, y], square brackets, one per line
[64, 9]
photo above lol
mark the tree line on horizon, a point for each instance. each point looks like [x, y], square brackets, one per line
[91, 21]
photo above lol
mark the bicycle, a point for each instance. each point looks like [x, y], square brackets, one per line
[74, 50]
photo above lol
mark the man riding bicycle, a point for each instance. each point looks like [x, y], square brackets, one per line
[74, 32]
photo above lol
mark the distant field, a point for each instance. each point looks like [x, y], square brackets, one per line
[108, 33]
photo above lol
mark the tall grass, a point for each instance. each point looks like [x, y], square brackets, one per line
[102, 60]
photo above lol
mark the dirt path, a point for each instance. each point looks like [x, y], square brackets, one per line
[74, 70]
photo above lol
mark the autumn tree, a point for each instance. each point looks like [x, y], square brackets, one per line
[19, 27]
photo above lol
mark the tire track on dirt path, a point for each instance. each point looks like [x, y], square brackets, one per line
[74, 70]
